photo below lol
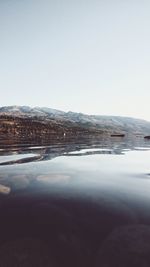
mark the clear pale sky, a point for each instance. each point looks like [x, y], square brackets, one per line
[90, 56]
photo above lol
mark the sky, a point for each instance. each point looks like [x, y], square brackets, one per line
[89, 56]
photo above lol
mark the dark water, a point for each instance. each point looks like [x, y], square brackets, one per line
[75, 203]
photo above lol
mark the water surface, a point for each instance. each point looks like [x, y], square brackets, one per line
[63, 200]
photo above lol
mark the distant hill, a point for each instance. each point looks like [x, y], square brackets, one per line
[24, 121]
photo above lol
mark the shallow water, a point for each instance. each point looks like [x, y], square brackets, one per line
[68, 197]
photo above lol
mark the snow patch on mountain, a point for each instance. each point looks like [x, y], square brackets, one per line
[100, 122]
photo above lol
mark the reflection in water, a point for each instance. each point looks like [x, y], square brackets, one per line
[75, 203]
[69, 148]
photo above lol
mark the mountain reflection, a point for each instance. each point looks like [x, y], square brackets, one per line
[32, 152]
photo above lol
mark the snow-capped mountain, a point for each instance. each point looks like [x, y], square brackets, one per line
[112, 124]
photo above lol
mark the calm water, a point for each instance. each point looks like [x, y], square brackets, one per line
[75, 203]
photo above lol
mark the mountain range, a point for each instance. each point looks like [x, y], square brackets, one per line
[41, 121]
